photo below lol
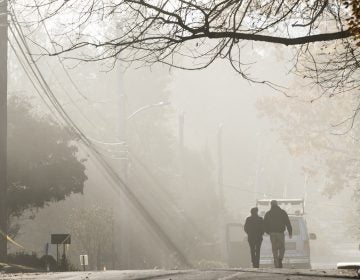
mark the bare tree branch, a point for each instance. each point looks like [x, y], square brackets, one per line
[190, 34]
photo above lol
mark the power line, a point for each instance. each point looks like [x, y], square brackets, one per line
[141, 164]
[65, 70]
[72, 100]
[60, 61]
[53, 113]
[249, 191]
[75, 130]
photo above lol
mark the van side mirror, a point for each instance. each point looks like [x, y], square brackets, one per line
[312, 236]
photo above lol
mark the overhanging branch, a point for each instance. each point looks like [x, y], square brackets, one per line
[273, 39]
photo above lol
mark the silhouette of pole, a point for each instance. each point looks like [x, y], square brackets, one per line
[125, 226]
[220, 167]
[182, 147]
[3, 127]
[181, 132]
[221, 193]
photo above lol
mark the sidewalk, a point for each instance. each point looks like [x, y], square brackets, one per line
[16, 268]
[330, 273]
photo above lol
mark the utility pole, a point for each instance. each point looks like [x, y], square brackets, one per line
[222, 223]
[182, 148]
[220, 167]
[3, 126]
[181, 133]
[125, 223]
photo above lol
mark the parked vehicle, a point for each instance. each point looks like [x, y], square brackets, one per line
[350, 266]
[238, 254]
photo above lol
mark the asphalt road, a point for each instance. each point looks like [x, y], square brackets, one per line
[262, 274]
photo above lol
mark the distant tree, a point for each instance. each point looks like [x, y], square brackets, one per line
[92, 232]
[322, 135]
[354, 19]
[43, 161]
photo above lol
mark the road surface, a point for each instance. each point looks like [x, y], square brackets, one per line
[225, 274]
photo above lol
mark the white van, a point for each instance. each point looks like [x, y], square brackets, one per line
[297, 249]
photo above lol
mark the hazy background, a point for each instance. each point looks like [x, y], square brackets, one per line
[256, 161]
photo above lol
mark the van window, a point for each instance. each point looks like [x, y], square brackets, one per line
[295, 223]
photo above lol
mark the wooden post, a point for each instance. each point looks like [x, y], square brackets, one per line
[57, 254]
[64, 251]
[84, 266]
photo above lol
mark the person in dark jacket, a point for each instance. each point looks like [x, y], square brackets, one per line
[254, 227]
[275, 221]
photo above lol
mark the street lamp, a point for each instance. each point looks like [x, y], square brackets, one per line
[160, 104]
[131, 116]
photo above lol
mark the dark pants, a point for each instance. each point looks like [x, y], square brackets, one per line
[278, 247]
[255, 245]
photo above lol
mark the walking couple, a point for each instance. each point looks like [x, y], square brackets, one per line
[275, 222]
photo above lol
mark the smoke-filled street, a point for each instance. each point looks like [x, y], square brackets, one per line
[179, 139]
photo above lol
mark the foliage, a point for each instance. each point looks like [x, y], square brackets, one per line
[43, 163]
[354, 19]
[22, 258]
[92, 233]
[39, 263]
[66, 265]
[49, 262]
[322, 134]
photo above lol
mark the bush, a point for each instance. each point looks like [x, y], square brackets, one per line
[33, 261]
[25, 259]
[48, 261]
[65, 265]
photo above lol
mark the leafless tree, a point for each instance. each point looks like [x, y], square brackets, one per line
[192, 34]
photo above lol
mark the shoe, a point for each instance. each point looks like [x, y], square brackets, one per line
[280, 264]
